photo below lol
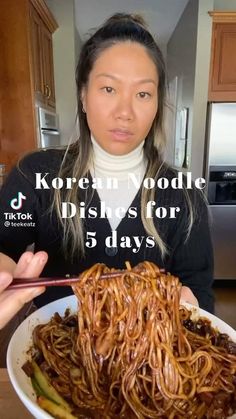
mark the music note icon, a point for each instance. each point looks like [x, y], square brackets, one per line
[16, 203]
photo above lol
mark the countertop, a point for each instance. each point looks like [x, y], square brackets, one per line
[10, 404]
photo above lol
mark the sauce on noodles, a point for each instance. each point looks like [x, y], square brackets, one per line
[133, 352]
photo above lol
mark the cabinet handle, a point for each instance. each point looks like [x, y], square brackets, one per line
[47, 91]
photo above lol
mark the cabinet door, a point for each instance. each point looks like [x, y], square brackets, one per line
[223, 65]
[36, 51]
[48, 70]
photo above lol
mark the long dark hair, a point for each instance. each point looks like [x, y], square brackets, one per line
[118, 28]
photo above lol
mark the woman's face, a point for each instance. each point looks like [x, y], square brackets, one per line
[120, 99]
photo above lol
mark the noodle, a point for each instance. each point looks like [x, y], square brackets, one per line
[130, 354]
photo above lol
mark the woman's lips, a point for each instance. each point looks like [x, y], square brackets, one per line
[121, 134]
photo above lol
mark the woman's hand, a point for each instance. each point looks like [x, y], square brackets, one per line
[11, 301]
[188, 296]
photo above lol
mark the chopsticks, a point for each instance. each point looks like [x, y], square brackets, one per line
[18, 283]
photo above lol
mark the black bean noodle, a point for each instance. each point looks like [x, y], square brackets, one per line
[132, 351]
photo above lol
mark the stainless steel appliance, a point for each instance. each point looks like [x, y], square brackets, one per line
[222, 185]
[220, 173]
[48, 128]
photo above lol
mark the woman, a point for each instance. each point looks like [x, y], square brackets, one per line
[79, 218]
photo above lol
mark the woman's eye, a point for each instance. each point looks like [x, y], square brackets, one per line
[108, 89]
[144, 95]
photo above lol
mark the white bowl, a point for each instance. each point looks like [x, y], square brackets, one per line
[22, 340]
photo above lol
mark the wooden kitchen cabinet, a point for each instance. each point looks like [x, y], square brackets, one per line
[36, 47]
[42, 58]
[26, 74]
[222, 82]
[48, 72]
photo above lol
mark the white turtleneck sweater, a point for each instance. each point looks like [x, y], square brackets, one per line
[107, 165]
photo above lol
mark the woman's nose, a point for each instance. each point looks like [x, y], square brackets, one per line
[124, 108]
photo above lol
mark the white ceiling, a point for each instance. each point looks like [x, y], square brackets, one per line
[162, 16]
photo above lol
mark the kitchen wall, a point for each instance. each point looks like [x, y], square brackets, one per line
[66, 47]
[188, 59]
[200, 98]
[225, 5]
[181, 57]
[201, 86]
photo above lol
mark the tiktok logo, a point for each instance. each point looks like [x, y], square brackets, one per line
[16, 203]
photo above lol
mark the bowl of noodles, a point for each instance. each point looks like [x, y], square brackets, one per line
[124, 348]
